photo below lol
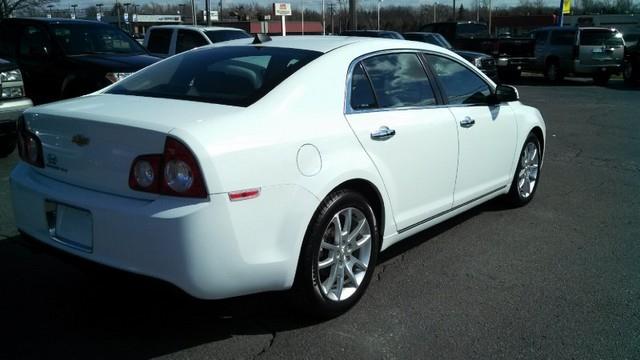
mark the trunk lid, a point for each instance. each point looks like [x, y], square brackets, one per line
[92, 141]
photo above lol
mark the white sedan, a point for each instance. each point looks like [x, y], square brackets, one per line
[277, 164]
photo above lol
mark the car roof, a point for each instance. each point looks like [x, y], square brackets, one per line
[328, 43]
[573, 28]
[195, 27]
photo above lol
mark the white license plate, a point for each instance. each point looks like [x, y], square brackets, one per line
[71, 226]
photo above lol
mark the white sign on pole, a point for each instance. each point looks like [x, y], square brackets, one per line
[126, 18]
[213, 13]
[73, 16]
[98, 16]
[282, 9]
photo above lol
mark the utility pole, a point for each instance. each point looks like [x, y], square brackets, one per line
[331, 14]
[490, 32]
[118, 14]
[302, 14]
[353, 14]
[73, 7]
[435, 12]
[324, 24]
[454, 10]
[477, 10]
[379, 4]
[207, 12]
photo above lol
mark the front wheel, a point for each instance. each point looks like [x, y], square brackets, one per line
[338, 257]
[525, 179]
[552, 72]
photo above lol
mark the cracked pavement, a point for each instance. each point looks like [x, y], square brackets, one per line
[559, 278]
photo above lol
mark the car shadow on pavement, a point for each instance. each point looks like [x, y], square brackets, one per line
[56, 305]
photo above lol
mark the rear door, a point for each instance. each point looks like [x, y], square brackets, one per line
[486, 133]
[541, 48]
[561, 45]
[412, 141]
[600, 47]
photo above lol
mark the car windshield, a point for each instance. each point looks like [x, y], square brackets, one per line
[226, 35]
[600, 38]
[233, 75]
[79, 39]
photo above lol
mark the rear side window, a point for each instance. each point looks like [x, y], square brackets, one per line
[226, 35]
[231, 75]
[362, 96]
[188, 40]
[563, 38]
[159, 41]
[461, 85]
[601, 38]
[399, 80]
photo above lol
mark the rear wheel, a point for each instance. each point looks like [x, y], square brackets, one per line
[525, 179]
[630, 73]
[339, 255]
[601, 79]
[552, 72]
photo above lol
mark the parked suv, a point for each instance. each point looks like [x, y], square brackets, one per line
[167, 40]
[63, 58]
[587, 51]
[12, 103]
[484, 62]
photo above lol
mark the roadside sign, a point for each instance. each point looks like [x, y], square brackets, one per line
[126, 18]
[98, 16]
[566, 7]
[281, 9]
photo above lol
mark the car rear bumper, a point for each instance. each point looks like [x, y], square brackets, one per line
[598, 68]
[210, 248]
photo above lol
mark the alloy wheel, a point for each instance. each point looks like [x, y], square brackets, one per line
[529, 167]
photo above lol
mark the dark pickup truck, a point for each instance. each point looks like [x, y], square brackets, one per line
[512, 54]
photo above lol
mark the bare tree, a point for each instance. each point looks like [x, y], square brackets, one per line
[10, 7]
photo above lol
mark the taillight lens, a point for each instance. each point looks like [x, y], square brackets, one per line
[29, 145]
[175, 172]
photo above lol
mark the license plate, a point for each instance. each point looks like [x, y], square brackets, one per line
[70, 226]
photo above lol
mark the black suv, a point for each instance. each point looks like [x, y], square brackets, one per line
[62, 58]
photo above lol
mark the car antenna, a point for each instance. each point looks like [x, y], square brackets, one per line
[261, 38]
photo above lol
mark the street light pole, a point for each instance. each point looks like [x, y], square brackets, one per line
[50, 12]
[324, 24]
[379, 4]
[435, 12]
[194, 12]
[302, 5]
[74, 6]
[99, 15]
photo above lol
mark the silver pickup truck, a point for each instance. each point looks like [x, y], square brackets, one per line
[586, 51]
[13, 102]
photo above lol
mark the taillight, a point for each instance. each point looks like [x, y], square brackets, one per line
[175, 172]
[29, 145]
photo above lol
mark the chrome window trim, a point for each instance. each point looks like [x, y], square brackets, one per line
[348, 110]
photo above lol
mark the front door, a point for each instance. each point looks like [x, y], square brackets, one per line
[412, 142]
[487, 134]
[36, 58]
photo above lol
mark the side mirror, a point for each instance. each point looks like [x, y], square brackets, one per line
[506, 93]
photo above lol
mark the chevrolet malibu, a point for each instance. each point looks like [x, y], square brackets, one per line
[274, 164]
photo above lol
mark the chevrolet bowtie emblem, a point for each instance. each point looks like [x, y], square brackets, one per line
[80, 140]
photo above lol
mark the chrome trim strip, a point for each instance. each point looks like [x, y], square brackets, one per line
[450, 210]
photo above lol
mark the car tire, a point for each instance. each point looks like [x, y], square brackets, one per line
[527, 174]
[335, 270]
[552, 72]
[7, 147]
[601, 79]
[630, 74]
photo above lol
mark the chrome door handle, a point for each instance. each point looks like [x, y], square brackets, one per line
[467, 122]
[383, 133]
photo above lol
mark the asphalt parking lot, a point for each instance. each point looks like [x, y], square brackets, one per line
[558, 279]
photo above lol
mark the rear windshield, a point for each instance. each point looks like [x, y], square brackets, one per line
[600, 38]
[226, 35]
[233, 75]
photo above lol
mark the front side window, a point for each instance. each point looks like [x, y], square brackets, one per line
[79, 39]
[461, 85]
[399, 80]
[188, 40]
[231, 75]
[33, 42]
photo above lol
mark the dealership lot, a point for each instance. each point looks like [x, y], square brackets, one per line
[559, 278]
